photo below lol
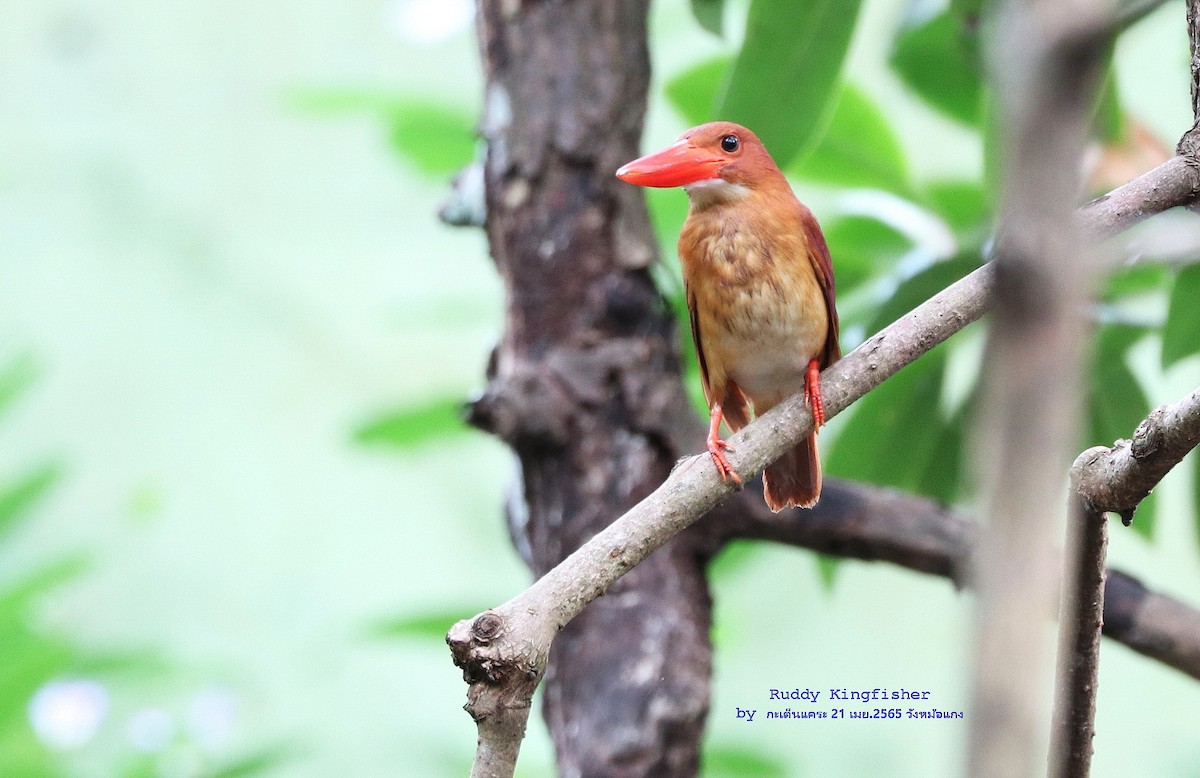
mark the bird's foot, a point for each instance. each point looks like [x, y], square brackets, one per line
[812, 393]
[717, 448]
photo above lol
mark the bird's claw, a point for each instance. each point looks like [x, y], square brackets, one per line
[717, 449]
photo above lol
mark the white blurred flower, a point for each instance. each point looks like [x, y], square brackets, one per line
[66, 714]
[150, 730]
[430, 21]
[210, 718]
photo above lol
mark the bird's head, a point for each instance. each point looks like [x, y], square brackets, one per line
[715, 161]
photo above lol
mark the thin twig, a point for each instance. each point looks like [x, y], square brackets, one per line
[1174, 183]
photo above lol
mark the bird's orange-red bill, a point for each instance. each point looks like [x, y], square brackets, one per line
[679, 164]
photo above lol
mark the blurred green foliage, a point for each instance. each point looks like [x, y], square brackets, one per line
[414, 425]
[31, 657]
[858, 149]
[437, 138]
[784, 78]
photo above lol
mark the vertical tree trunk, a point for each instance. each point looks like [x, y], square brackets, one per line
[584, 385]
[1045, 56]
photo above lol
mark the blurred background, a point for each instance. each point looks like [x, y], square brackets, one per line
[238, 511]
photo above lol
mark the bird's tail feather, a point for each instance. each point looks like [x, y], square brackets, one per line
[795, 479]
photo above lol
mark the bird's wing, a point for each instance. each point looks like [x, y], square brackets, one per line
[695, 321]
[730, 396]
[819, 255]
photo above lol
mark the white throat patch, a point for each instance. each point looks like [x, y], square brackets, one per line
[712, 191]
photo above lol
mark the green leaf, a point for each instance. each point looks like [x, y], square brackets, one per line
[964, 206]
[785, 78]
[668, 210]
[15, 378]
[1108, 121]
[16, 599]
[858, 148]
[414, 425]
[253, 764]
[942, 478]
[422, 625]
[694, 92]
[22, 755]
[1195, 491]
[1181, 333]
[709, 13]
[993, 130]
[1136, 279]
[1116, 402]
[861, 247]
[341, 101]
[437, 139]
[29, 661]
[967, 11]
[920, 287]
[895, 430]
[17, 498]
[735, 761]
[735, 556]
[827, 570]
[938, 59]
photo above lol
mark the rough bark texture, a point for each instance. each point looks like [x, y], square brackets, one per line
[1081, 623]
[584, 384]
[1119, 477]
[1189, 144]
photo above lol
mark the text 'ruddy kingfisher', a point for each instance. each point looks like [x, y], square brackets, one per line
[845, 694]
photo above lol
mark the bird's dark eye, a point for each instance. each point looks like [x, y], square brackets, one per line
[730, 143]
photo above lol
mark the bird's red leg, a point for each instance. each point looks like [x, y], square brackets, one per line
[717, 447]
[812, 393]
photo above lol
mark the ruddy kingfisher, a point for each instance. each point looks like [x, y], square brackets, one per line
[760, 292]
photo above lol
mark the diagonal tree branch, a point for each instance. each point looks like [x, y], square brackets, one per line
[1119, 477]
[1175, 182]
